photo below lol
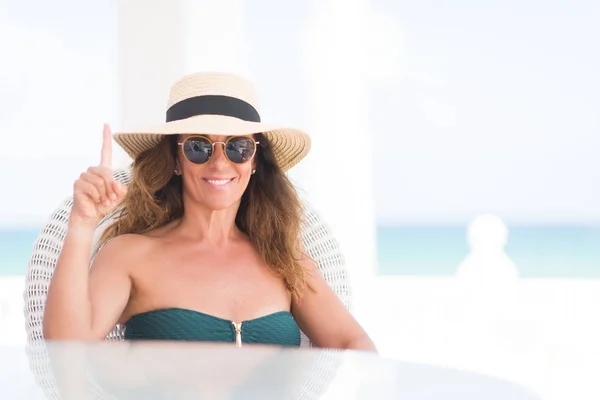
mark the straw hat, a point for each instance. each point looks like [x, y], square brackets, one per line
[218, 104]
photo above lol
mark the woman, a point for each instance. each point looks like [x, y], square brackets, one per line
[207, 243]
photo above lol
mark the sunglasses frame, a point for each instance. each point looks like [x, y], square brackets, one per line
[180, 144]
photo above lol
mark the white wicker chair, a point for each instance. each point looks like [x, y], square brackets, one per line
[316, 235]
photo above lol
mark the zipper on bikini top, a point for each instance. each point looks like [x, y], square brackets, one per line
[238, 333]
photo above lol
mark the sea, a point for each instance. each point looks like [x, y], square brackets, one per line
[537, 251]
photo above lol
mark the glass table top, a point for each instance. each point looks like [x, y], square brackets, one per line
[188, 370]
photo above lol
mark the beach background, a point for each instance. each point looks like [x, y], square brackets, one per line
[565, 252]
[426, 117]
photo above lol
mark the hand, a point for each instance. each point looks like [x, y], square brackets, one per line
[96, 194]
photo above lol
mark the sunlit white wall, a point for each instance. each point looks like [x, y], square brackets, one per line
[495, 110]
[58, 84]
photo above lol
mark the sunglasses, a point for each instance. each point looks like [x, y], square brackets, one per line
[237, 149]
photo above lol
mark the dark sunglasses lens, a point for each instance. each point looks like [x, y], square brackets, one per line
[240, 149]
[197, 150]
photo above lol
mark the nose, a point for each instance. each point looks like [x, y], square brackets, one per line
[218, 152]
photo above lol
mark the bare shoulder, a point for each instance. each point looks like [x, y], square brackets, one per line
[122, 249]
[131, 248]
[313, 272]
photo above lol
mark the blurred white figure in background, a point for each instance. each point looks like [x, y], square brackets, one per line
[487, 279]
[487, 262]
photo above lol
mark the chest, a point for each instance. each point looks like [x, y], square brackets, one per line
[233, 283]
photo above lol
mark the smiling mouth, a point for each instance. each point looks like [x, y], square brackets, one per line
[218, 182]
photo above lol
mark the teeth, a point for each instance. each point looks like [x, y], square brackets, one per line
[219, 182]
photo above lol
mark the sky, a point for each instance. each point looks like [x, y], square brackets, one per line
[472, 108]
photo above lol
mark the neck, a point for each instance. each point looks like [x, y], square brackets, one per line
[214, 227]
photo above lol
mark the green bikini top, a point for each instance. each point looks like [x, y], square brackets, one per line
[278, 328]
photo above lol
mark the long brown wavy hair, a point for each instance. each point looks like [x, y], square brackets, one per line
[270, 211]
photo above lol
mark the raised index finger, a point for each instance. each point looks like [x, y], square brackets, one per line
[106, 156]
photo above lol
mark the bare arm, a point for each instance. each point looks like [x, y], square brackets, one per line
[82, 305]
[323, 318]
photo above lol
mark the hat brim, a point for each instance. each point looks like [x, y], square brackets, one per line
[289, 145]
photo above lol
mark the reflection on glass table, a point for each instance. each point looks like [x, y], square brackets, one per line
[187, 370]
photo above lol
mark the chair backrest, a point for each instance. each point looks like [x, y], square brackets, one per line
[318, 240]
